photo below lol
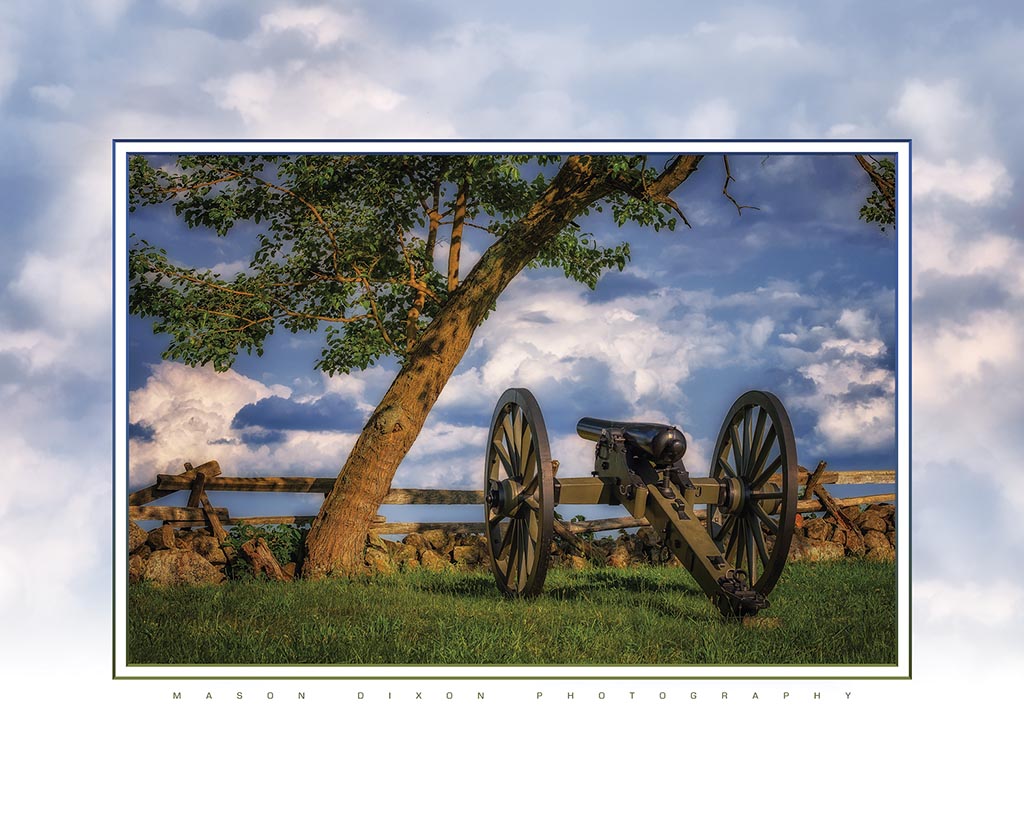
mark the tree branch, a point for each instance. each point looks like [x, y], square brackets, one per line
[725, 188]
[883, 185]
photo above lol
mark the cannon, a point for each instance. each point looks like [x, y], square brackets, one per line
[731, 530]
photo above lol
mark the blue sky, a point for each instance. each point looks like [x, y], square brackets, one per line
[74, 76]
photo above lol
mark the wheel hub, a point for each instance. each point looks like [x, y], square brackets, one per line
[506, 496]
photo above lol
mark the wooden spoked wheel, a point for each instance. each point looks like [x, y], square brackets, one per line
[519, 494]
[755, 460]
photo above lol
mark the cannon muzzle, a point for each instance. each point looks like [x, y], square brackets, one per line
[661, 443]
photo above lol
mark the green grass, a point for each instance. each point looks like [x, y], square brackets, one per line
[825, 613]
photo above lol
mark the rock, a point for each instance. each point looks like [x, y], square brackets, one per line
[198, 541]
[162, 538]
[817, 529]
[137, 537]
[439, 540]
[218, 556]
[402, 554]
[467, 555]
[576, 562]
[289, 569]
[417, 541]
[855, 546]
[179, 567]
[879, 547]
[380, 561]
[433, 562]
[817, 551]
[136, 567]
[871, 521]
[619, 557]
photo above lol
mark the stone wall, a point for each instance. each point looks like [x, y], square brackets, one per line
[168, 557]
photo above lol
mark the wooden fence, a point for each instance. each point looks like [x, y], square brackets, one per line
[198, 511]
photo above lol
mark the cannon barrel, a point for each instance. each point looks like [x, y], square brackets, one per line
[590, 429]
[662, 443]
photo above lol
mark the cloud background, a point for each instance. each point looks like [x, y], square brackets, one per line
[75, 75]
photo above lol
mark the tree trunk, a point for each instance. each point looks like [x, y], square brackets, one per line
[337, 538]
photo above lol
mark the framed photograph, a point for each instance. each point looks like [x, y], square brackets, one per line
[523, 410]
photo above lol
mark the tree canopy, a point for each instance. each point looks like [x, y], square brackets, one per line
[354, 243]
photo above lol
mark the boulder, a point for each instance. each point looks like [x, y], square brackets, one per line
[162, 538]
[467, 556]
[855, 546]
[817, 551]
[137, 537]
[817, 529]
[179, 567]
[380, 561]
[576, 562]
[871, 521]
[417, 541]
[439, 540]
[619, 557]
[879, 547]
[218, 556]
[402, 554]
[433, 562]
[136, 567]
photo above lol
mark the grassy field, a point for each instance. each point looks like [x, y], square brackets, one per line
[824, 613]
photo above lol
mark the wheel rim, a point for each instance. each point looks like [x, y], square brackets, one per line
[518, 494]
[756, 458]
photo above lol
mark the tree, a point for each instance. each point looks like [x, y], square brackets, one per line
[880, 206]
[349, 241]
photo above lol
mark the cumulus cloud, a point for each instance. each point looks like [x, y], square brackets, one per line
[978, 182]
[320, 25]
[190, 412]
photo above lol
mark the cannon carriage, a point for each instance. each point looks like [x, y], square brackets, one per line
[731, 529]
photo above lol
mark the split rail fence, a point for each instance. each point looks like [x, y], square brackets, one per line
[199, 511]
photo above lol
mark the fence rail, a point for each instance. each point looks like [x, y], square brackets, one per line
[197, 481]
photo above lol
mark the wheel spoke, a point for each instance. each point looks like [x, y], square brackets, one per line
[510, 442]
[768, 471]
[747, 454]
[527, 453]
[730, 521]
[771, 525]
[751, 571]
[506, 541]
[762, 456]
[755, 448]
[737, 454]
[513, 547]
[517, 441]
[728, 469]
[732, 542]
[523, 546]
[762, 549]
[503, 456]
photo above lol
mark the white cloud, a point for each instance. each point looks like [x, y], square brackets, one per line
[327, 98]
[188, 410]
[938, 116]
[321, 25]
[980, 182]
[713, 119]
[957, 603]
[956, 360]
